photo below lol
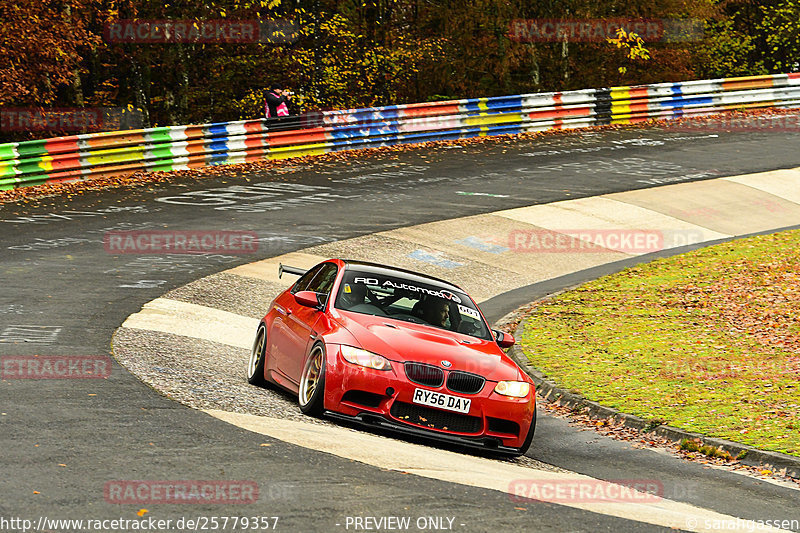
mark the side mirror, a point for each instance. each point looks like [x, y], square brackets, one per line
[504, 340]
[308, 299]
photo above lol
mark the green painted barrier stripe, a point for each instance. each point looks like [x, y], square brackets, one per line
[32, 166]
[24, 180]
[40, 180]
[9, 183]
[8, 151]
[159, 135]
[29, 148]
[7, 169]
[161, 152]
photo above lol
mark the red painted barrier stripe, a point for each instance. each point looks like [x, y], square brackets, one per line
[317, 135]
[61, 145]
[638, 92]
[429, 111]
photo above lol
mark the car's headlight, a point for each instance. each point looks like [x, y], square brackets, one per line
[360, 357]
[517, 389]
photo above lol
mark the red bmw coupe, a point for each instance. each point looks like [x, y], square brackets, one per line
[395, 349]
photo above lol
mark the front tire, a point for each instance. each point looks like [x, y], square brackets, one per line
[528, 438]
[312, 383]
[255, 366]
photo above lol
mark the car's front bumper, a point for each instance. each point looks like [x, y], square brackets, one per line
[385, 399]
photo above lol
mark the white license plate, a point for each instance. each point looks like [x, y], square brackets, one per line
[442, 401]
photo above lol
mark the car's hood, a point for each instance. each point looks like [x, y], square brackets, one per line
[404, 341]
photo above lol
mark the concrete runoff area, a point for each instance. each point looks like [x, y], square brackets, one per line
[487, 265]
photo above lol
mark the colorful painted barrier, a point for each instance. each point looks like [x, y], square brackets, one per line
[104, 154]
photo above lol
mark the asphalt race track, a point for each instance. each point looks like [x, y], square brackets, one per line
[64, 441]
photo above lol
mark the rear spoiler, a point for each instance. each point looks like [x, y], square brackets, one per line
[290, 270]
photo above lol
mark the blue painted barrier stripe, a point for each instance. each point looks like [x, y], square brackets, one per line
[681, 102]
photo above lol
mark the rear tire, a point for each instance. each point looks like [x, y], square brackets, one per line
[255, 366]
[312, 383]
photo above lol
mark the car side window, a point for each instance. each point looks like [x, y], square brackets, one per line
[323, 281]
[304, 281]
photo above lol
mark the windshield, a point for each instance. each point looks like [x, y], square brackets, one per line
[411, 301]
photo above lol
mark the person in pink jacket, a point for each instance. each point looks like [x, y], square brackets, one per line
[277, 102]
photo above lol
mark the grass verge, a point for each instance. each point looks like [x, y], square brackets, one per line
[707, 341]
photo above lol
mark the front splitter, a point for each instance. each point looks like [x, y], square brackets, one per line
[372, 420]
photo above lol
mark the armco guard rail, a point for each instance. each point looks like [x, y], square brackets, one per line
[180, 147]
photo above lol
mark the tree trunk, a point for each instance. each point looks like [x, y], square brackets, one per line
[139, 96]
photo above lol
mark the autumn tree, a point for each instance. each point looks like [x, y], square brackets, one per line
[780, 27]
[42, 44]
[358, 53]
